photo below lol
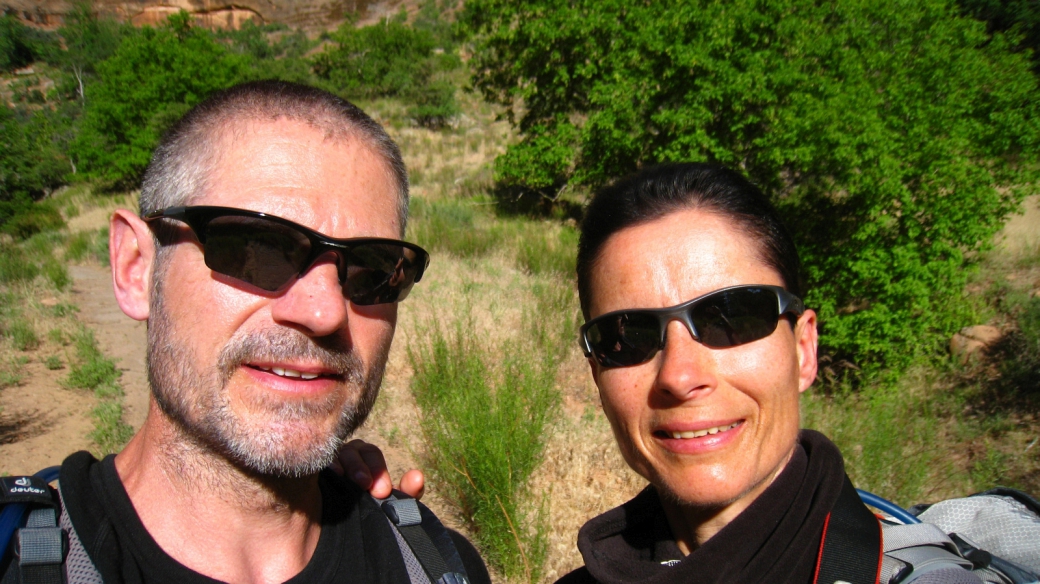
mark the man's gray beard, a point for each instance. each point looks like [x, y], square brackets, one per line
[197, 401]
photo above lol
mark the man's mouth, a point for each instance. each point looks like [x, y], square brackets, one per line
[293, 373]
[688, 435]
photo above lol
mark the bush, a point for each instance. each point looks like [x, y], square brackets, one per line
[15, 266]
[886, 132]
[36, 219]
[93, 369]
[153, 77]
[485, 421]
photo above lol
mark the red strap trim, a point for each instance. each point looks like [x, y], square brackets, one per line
[819, 556]
[881, 546]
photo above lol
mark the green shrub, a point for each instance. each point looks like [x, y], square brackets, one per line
[15, 266]
[38, 218]
[23, 335]
[58, 274]
[110, 433]
[53, 363]
[486, 416]
[93, 369]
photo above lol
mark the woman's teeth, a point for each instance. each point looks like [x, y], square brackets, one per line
[282, 372]
[701, 433]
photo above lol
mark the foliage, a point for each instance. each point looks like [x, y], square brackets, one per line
[93, 369]
[885, 131]
[21, 45]
[485, 420]
[273, 51]
[32, 163]
[152, 79]
[393, 60]
[89, 40]
[1021, 17]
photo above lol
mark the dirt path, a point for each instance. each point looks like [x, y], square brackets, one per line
[42, 421]
[120, 337]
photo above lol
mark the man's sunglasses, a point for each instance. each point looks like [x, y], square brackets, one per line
[723, 318]
[270, 252]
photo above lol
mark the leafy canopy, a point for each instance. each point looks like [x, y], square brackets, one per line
[894, 136]
[153, 78]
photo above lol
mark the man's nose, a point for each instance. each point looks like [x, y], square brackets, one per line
[314, 303]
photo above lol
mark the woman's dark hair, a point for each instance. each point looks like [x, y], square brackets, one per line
[660, 190]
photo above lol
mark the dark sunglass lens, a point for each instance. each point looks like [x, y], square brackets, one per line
[735, 317]
[624, 339]
[380, 273]
[257, 251]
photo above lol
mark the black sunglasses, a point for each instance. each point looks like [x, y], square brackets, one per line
[270, 252]
[723, 318]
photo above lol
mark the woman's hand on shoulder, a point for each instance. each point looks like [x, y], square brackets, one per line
[364, 464]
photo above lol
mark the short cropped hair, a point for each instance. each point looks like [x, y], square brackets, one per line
[661, 190]
[186, 155]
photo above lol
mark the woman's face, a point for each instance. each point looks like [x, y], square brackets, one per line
[746, 397]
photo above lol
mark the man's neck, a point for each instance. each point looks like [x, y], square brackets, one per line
[214, 517]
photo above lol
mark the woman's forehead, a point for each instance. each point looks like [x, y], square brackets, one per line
[677, 257]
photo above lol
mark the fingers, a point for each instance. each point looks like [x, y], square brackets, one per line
[364, 464]
[413, 483]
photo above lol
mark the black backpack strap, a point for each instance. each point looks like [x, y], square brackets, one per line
[38, 548]
[427, 539]
[851, 548]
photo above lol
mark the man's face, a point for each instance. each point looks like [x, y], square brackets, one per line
[275, 381]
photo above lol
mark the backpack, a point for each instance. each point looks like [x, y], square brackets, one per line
[991, 537]
[39, 546]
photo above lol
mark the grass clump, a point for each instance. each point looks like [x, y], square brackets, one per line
[485, 416]
[22, 334]
[92, 245]
[93, 369]
[110, 433]
[16, 265]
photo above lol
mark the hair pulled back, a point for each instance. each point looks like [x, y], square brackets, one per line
[658, 191]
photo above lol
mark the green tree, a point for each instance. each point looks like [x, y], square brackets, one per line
[894, 136]
[1021, 17]
[393, 60]
[21, 45]
[152, 79]
[89, 40]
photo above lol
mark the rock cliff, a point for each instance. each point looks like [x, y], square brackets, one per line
[310, 15]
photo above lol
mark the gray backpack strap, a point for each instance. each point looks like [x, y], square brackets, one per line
[79, 569]
[40, 548]
[426, 560]
[916, 549]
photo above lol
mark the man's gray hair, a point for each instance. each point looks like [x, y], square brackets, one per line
[186, 155]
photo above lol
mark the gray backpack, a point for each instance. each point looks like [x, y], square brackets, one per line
[991, 537]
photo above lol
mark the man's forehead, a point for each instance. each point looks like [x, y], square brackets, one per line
[299, 170]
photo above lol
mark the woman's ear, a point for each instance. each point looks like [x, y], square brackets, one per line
[131, 251]
[806, 337]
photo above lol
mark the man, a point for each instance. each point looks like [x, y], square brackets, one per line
[266, 261]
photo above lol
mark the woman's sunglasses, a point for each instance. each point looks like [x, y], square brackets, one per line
[270, 252]
[723, 318]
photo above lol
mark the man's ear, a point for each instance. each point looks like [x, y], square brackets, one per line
[807, 338]
[131, 251]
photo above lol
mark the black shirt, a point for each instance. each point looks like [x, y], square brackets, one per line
[356, 545]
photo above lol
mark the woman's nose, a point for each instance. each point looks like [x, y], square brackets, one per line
[686, 368]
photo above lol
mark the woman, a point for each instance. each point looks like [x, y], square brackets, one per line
[700, 348]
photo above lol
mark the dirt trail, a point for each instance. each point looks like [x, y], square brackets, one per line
[43, 421]
[120, 337]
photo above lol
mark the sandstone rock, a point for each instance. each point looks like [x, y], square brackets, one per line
[972, 341]
[310, 15]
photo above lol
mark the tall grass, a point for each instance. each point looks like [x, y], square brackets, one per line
[487, 409]
[99, 374]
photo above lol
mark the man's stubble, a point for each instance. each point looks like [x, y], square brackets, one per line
[280, 442]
